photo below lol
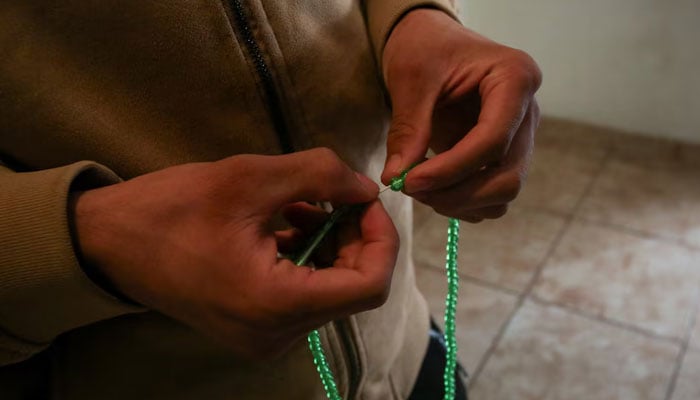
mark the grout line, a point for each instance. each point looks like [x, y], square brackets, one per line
[518, 305]
[611, 225]
[536, 275]
[475, 280]
[608, 321]
[568, 308]
[683, 350]
[543, 210]
[639, 233]
[587, 191]
[488, 285]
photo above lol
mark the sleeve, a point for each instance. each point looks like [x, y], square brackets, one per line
[43, 290]
[382, 16]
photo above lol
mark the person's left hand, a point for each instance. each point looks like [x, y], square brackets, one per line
[469, 99]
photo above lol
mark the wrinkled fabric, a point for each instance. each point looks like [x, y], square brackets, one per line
[93, 92]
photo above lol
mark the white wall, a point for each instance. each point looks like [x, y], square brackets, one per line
[629, 64]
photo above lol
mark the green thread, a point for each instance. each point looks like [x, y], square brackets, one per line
[316, 239]
[314, 338]
[327, 379]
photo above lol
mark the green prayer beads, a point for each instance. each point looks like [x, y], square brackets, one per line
[314, 338]
[324, 371]
[397, 184]
[451, 308]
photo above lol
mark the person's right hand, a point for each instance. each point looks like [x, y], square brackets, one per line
[194, 242]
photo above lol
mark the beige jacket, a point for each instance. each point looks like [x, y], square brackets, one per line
[137, 86]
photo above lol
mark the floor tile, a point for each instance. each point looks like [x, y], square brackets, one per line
[688, 384]
[653, 152]
[660, 201]
[695, 334]
[557, 188]
[647, 283]
[480, 313]
[548, 354]
[505, 252]
[574, 136]
[566, 159]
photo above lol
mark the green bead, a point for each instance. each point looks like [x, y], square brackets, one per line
[397, 184]
[324, 372]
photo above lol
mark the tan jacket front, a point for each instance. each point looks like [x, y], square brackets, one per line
[137, 86]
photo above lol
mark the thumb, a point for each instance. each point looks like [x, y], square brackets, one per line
[316, 175]
[409, 134]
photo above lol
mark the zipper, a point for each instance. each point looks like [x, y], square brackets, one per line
[352, 358]
[342, 328]
[273, 99]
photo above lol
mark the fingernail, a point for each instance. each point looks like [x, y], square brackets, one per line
[370, 185]
[393, 166]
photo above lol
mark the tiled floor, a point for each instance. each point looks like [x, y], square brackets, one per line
[590, 287]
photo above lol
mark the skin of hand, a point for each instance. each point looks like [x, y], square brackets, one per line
[194, 242]
[469, 99]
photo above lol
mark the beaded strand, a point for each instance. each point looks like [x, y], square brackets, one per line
[314, 338]
[451, 308]
[324, 371]
[397, 184]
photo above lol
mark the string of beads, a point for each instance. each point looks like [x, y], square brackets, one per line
[314, 339]
[324, 371]
[451, 308]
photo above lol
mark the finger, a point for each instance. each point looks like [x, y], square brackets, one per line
[320, 175]
[372, 259]
[410, 129]
[304, 216]
[487, 188]
[520, 153]
[345, 289]
[492, 212]
[349, 242]
[310, 218]
[477, 215]
[305, 219]
[313, 175]
[491, 186]
[503, 109]
[289, 241]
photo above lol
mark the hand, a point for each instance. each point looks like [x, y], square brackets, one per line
[193, 242]
[469, 99]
